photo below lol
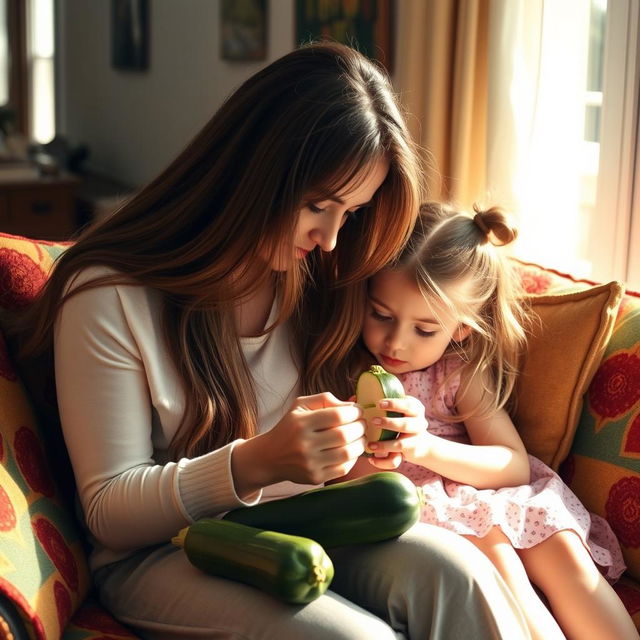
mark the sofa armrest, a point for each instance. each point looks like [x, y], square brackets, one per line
[11, 624]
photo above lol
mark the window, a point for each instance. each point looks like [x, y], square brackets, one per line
[27, 66]
[4, 55]
[564, 144]
[12, 71]
[615, 239]
[593, 105]
[41, 49]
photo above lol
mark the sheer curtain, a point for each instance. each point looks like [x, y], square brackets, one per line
[538, 55]
[496, 89]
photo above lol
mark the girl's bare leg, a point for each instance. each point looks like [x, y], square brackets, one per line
[497, 547]
[583, 602]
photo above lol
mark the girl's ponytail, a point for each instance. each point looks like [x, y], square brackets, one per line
[494, 225]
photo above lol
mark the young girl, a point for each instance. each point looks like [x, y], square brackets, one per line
[446, 318]
[195, 333]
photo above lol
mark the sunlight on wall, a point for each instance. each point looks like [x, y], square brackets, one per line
[539, 96]
[550, 167]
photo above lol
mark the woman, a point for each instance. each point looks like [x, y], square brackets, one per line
[196, 333]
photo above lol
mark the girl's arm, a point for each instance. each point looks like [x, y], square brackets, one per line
[496, 458]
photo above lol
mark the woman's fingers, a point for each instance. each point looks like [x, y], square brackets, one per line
[342, 435]
[320, 401]
[344, 454]
[319, 439]
[324, 411]
[387, 462]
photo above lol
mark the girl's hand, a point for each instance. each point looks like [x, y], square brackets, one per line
[413, 440]
[318, 439]
[495, 458]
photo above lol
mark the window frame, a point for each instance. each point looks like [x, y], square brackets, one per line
[633, 267]
[18, 66]
[615, 233]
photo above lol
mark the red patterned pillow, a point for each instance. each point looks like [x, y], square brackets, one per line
[629, 592]
[24, 267]
[92, 622]
[604, 468]
[43, 570]
[537, 279]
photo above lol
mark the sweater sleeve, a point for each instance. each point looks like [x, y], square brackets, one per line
[105, 372]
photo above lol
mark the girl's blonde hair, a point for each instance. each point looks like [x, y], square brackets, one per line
[449, 246]
[302, 128]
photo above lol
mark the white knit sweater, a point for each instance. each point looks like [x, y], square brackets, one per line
[121, 401]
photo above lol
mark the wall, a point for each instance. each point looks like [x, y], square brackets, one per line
[135, 123]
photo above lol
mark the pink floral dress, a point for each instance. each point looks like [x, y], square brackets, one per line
[527, 514]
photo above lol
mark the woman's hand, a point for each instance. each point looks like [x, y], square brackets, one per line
[318, 439]
[413, 440]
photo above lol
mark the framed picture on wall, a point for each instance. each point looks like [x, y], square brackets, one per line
[243, 30]
[130, 34]
[366, 25]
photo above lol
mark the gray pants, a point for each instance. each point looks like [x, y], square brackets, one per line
[429, 583]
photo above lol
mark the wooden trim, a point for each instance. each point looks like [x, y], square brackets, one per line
[18, 74]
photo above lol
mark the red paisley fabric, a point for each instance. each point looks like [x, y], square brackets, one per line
[630, 597]
[97, 619]
[534, 282]
[632, 440]
[63, 603]
[623, 510]
[57, 550]
[20, 279]
[616, 386]
[32, 462]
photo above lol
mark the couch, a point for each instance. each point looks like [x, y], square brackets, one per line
[578, 408]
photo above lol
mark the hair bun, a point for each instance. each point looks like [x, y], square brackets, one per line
[495, 225]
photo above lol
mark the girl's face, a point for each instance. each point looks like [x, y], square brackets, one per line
[404, 331]
[319, 222]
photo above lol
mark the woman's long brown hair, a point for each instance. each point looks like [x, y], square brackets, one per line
[307, 124]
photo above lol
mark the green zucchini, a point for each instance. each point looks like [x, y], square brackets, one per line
[291, 568]
[372, 386]
[368, 509]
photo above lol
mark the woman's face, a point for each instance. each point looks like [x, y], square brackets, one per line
[319, 222]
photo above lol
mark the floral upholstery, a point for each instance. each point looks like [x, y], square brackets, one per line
[92, 622]
[603, 465]
[43, 568]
